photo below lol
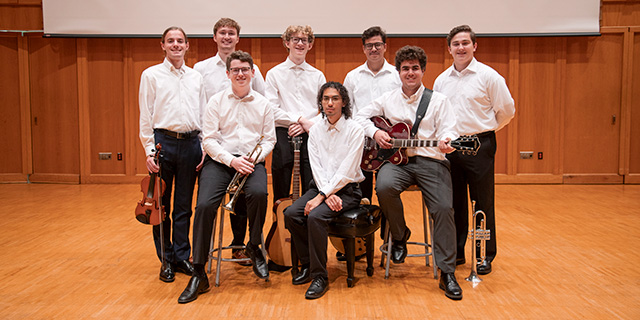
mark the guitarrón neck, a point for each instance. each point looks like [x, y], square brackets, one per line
[413, 143]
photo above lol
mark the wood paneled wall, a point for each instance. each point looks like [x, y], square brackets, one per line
[67, 99]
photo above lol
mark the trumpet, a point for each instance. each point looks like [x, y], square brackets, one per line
[480, 234]
[237, 183]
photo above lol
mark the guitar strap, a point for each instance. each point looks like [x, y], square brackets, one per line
[422, 110]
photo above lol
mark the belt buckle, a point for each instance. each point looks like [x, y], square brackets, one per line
[181, 135]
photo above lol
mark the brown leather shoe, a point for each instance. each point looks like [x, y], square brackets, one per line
[241, 254]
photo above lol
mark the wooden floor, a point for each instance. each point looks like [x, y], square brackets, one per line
[565, 251]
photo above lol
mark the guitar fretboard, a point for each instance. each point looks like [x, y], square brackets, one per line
[413, 143]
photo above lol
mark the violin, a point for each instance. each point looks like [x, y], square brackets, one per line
[149, 210]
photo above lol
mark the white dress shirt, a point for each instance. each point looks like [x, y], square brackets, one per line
[293, 91]
[364, 86]
[335, 153]
[171, 99]
[479, 95]
[233, 126]
[439, 121]
[214, 73]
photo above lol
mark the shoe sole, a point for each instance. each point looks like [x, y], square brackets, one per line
[167, 280]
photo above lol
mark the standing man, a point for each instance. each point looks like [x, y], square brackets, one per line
[171, 101]
[226, 35]
[483, 105]
[233, 123]
[427, 167]
[292, 88]
[369, 81]
[335, 150]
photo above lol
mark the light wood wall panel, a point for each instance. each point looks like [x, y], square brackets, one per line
[538, 113]
[54, 109]
[592, 113]
[634, 104]
[105, 70]
[10, 107]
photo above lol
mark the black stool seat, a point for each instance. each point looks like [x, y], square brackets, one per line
[360, 222]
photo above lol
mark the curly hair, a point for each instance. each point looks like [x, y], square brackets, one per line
[291, 30]
[407, 53]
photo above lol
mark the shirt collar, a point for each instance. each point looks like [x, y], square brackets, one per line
[414, 97]
[291, 65]
[386, 68]
[217, 60]
[337, 126]
[472, 67]
[248, 98]
[173, 69]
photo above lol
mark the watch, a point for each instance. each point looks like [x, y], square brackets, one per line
[322, 194]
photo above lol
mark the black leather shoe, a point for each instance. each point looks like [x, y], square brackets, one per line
[484, 267]
[460, 261]
[399, 248]
[303, 276]
[166, 272]
[260, 267]
[450, 286]
[196, 286]
[184, 266]
[317, 288]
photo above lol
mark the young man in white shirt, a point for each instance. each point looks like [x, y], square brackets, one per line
[292, 87]
[233, 122]
[226, 35]
[426, 167]
[483, 105]
[171, 100]
[369, 81]
[335, 150]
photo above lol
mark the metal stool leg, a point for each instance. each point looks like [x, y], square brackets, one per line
[219, 258]
[389, 244]
[212, 243]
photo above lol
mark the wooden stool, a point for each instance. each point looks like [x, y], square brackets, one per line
[428, 233]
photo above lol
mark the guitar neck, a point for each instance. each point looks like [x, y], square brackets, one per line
[295, 190]
[414, 143]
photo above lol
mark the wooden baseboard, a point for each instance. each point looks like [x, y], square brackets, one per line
[14, 178]
[55, 178]
[604, 178]
[111, 179]
[529, 178]
[632, 178]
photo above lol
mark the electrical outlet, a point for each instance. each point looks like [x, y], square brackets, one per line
[104, 155]
[526, 154]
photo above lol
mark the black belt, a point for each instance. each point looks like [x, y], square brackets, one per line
[179, 135]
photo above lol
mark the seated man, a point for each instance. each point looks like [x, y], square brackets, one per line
[335, 151]
[233, 122]
[427, 167]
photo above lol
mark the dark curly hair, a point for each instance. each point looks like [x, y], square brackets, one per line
[344, 94]
[411, 53]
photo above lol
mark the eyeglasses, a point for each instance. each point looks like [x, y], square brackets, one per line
[378, 45]
[333, 99]
[302, 40]
[236, 71]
